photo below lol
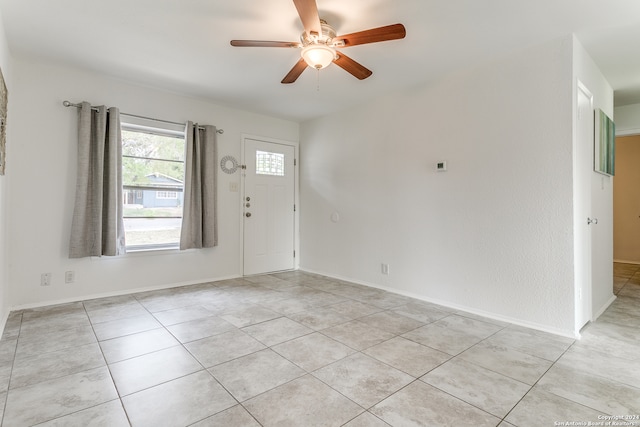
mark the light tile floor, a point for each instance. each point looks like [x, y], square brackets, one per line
[295, 349]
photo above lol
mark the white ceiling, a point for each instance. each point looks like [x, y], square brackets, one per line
[183, 46]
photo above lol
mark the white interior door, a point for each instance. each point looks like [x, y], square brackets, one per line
[583, 210]
[268, 201]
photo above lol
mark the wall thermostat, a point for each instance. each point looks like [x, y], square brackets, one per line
[441, 166]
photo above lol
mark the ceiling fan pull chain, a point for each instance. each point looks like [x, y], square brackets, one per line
[318, 79]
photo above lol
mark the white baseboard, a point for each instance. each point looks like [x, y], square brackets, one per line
[118, 293]
[604, 308]
[448, 304]
[471, 310]
[622, 261]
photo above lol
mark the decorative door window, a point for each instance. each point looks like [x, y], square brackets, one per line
[269, 163]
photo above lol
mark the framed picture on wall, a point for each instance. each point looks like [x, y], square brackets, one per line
[604, 158]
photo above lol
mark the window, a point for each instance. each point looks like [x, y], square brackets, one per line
[166, 195]
[153, 186]
[269, 163]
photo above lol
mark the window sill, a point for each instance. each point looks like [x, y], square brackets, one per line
[152, 248]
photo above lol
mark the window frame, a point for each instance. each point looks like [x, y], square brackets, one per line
[132, 124]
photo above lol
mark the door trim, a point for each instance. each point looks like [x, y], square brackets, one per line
[296, 193]
[580, 217]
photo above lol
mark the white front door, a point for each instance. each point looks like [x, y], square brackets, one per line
[268, 203]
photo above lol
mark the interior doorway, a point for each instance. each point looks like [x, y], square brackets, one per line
[626, 200]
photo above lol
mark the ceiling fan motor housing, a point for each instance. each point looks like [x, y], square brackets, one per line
[327, 36]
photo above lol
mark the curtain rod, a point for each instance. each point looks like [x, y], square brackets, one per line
[71, 104]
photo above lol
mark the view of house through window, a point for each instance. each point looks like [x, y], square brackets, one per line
[153, 186]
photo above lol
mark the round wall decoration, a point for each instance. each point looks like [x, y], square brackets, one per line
[229, 164]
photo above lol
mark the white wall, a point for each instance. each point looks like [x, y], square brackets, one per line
[493, 234]
[586, 71]
[6, 66]
[627, 119]
[42, 183]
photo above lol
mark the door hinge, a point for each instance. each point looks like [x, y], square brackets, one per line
[295, 162]
[294, 254]
[243, 166]
[294, 208]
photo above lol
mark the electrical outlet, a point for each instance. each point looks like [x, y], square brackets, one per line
[385, 269]
[45, 279]
[69, 276]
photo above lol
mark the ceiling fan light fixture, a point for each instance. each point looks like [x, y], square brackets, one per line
[318, 56]
[319, 43]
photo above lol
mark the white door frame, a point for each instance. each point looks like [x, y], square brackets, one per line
[296, 196]
[583, 289]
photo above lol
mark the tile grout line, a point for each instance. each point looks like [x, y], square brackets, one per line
[13, 361]
[310, 373]
[106, 365]
[502, 419]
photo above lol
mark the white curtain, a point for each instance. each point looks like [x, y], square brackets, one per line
[199, 219]
[97, 227]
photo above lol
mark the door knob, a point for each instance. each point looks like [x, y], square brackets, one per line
[248, 214]
[592, 221]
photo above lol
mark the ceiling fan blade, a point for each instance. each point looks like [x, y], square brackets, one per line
[262, 43]
[295, 72]
[349, 65]
[374, 35]
[308, 11]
